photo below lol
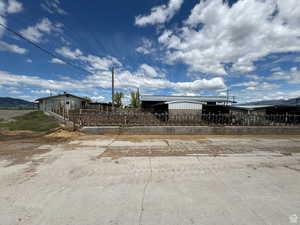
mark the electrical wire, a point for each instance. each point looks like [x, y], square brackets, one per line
[44, 49]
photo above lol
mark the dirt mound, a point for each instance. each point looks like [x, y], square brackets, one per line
[64, 134]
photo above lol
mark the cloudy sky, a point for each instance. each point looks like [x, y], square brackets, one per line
[170, 47]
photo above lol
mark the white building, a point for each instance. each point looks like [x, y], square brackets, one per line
[181, 104]
[61, 103]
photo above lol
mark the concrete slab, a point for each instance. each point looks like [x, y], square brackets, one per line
[73, 183]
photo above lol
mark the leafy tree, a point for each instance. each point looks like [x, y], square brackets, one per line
[135, 99]
[118, 99]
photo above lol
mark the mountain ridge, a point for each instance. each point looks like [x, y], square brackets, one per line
[14, 102]
[290, 102]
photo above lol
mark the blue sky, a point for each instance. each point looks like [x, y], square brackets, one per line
[171, 47]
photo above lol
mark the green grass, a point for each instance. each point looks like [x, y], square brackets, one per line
[34, 121]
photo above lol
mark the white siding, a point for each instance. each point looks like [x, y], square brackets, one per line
[185, 105]
[60, 102]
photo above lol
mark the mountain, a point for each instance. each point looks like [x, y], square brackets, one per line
[292, 101]
[14, 102]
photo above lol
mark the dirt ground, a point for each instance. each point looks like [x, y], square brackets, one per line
[71, 178]
[8, 114]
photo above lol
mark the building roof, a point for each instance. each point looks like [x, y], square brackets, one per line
[65, 94]
[183, 101]
[161, 98]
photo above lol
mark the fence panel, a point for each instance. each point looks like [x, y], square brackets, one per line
[135, 118]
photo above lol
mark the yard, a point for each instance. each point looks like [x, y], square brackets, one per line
[28, 120]
[70, 178]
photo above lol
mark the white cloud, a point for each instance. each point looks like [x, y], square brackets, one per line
[146, 47]
[246, 84]
[149, 71]
[184, 94]
[17, 80]
[204, 84]
[146, 77]
[216, 34]
[94, 63]
[261, 95]
[44, 92]
[45, 26]
[68, 53]
[2, 16]
[97, 98]
[124, 79]
[14, 6]
[264, 86]
[254, 85]
[11, 48]
[53, 6]
[29, 60]
[160, 14]
[2, 7]
[253, 77]
[57, 61]
[275, 69]
[292, 76]
[297, 59]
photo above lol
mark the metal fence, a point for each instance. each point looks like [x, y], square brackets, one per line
[124, 118]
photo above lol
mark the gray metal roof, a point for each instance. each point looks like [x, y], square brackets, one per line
[161, 98]
[60, 95]
[183, 101]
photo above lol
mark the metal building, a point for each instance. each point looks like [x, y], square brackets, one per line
[180, 104]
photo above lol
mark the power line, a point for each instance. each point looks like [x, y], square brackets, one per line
[74, 37]
[62, 35]
[44, 50]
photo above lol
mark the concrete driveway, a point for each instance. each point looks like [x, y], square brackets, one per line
[155, 180]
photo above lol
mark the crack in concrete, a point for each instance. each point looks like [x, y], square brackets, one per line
[292, 168]
[113, 140]
[144, 193]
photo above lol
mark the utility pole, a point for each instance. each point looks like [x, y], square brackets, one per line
[138, 97]
[227, 97]
[113, 88]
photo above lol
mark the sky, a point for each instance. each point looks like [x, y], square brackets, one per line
[162, 47]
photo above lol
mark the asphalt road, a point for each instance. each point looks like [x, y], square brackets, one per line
[133, 180]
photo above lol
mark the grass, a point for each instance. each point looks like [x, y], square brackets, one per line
[34, 121]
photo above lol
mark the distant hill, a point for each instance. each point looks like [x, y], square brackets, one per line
[292, 101]
[14, 102]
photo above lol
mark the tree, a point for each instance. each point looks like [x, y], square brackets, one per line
[135, 99]
[118, 99]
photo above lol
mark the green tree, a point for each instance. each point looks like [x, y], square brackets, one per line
[118, 99]
[135, 99]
